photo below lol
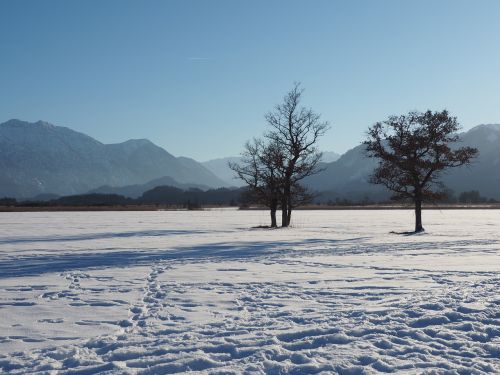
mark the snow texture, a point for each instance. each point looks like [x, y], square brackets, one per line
[174, 292]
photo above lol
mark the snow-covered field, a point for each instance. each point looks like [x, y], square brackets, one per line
[166, 292]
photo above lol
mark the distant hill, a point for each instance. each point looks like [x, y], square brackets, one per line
[135, 191]
[165, 195]
[220, 167]
[348, 176]
[40, 158]
[172, 195]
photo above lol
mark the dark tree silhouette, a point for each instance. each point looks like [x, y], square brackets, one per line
[414, 150]
[260, 170]
[296, 131]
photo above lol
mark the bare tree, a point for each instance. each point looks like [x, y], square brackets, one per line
[413, 151]
[296, 130]
[260, 168]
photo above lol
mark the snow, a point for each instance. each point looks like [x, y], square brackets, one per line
[203, 291]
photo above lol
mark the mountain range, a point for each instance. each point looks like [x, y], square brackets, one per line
[348, 176]
[40, 159]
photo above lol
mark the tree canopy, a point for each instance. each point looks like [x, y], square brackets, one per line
[413, 151]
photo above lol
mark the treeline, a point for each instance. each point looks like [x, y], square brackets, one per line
[465, 197]
[196, 198]
[331, 198]
[175, 196]
[161, 195]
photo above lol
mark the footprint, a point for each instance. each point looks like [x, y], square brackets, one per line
[56, 320]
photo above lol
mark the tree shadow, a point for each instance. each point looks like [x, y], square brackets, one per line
[99, 236]
[34, 265]
[412, 233]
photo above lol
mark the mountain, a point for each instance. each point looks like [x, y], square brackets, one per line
[39, 158]
[329, 156]
[484, 172]
[220, 167]
[348, 176]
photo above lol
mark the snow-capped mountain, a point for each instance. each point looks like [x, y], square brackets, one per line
[40, 158]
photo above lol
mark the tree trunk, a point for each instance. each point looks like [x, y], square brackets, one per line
[289, 211]
[274, 207]
[418, 213]
[284, 206]
[284, 213]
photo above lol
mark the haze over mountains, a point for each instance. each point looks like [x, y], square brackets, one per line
[40, 158]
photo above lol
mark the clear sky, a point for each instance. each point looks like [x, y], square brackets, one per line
[197, 77]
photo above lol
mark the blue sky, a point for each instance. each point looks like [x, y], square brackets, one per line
[197, 77]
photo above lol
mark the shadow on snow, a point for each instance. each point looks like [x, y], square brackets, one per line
[99, 236]
[34, 265]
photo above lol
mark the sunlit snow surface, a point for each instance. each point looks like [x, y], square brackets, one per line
[166, 292]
